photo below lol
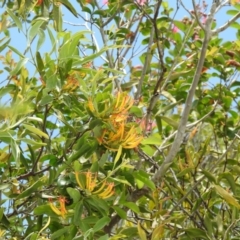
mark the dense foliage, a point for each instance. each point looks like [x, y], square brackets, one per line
[122, 123]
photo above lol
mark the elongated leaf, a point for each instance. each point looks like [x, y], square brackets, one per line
[15, 19]
[158, 233]
[15, 152]
[35, 29]
[142, 234]
[34, 236]
[57, 16]
[16, 51]
[145, 180]
[170, 121]
[101, 223]
[152, 140]
[78, 213]
[41, 39]
[79, 62]
[69, 6]
[44, 209]
[19, 65]
[4, 45]
[229, 177]
[32, 142]
[227, 196]
[33, 188]
[59, 233]
[1, 213]
[74, 194]
[120, 212]
[53, 40]
[45, 226]
[193, 232]
[119, 152]
[40, 64]
[4, 186]
[132, 206]
[36, 131]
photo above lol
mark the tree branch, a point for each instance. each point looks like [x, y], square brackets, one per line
[188, 105]
[226, 25]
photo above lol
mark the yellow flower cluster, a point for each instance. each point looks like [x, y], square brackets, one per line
[61, 209]
[87, 181]
[119, 132]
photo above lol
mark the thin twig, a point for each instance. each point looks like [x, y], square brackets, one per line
[188, 105]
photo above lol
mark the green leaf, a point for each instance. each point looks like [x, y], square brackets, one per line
[78, 213]
[40, 63]
[104, 237]
[15, 19]
[33, 188]
[53, 40]
[130, 231]
[132, 206]
[34, 29]
[4, 45]
[19, 66]
[120, 212]
[46, 100]
[59, 233]
[34, 236]
[44, 209]
[57, 16]
[36, 131]
[74, 194]
[195, 232]
[159, 124]
[4, 186]
[32, 142]
[232, 12]
[69, 6]
[101, 223]
[227, 196]
[1, 213]
[154, 139]
[98, 203]
[41, 39]
[209, 225]
[230, 179]
[170, 121]
[208, 175]
[139, 175]
[136, 111]
[142, 234]
[118, 155]
[15, 152]
[4, 221]
[158, 232]
[16, 51]
[90, 58]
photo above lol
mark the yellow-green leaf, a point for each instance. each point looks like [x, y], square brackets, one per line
[141, 232]
[158, 233]
[227, 196]
[36, 131]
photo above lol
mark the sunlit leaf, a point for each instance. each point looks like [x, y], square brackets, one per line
[35, 130]
[227, 196]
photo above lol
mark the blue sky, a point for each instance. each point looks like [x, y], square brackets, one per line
[19, 41]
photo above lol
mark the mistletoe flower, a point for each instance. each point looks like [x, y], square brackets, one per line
[61, 210]
[87, 181]
[121, 134]
[105, 2]
[141, 2]
[175, 29]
